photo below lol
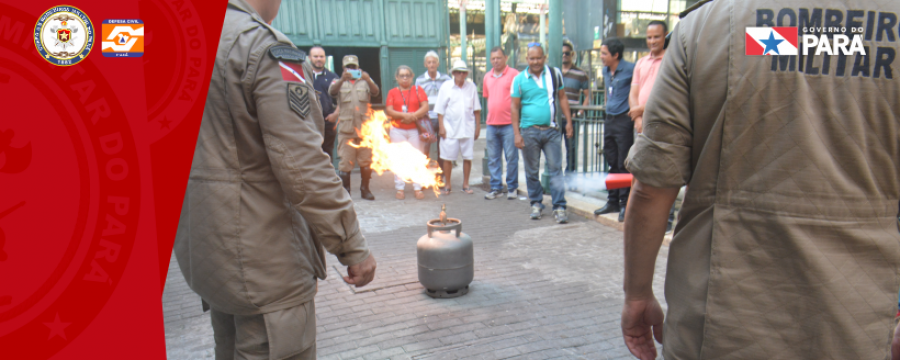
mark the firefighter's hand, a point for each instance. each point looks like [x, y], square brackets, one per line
[362, 273]
[642, 321]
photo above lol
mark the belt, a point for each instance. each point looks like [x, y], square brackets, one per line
[540, 127]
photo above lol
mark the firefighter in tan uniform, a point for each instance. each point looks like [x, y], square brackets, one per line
[353, 94]
[788, 244]
[262, 203]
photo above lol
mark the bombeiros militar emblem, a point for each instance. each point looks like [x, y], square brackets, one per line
[64, 35]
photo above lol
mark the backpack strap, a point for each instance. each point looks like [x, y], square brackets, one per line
[557, 80]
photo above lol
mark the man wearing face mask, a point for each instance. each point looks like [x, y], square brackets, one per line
[354, 89]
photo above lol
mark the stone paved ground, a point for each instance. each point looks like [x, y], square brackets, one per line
[541, 290]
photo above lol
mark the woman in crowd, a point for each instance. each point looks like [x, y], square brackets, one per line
[404, 105]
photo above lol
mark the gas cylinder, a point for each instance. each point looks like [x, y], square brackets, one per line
[445, 258]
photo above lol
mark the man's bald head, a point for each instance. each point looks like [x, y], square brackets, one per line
[317, 58]
[536, 58]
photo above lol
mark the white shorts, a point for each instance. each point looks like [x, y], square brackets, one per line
[451, 148]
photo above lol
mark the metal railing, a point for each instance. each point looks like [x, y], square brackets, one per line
[587, 140]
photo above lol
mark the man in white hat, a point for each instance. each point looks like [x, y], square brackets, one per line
[458, 109]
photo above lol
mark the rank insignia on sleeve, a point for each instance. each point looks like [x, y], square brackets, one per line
[287, 53]
[298, 98]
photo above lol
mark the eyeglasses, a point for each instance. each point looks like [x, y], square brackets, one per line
[567, 53]
[404, 76]
[534, 44]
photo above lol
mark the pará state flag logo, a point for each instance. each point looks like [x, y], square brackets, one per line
[779, 40]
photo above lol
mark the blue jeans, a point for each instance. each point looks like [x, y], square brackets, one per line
[501, 139]
[550, 142]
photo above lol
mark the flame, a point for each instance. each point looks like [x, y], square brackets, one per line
[402, 159]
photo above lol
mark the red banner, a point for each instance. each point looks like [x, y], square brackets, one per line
[96, 141]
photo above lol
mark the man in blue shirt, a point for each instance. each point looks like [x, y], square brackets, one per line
[329, 111]
[618, 131]
[537, 93]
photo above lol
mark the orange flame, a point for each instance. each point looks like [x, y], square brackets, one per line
[402, 159]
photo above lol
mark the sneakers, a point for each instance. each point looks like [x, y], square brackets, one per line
[512, 195]
[536, 212]
[560, 216]
[493, 194]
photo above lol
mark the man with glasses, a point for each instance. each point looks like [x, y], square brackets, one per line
[577, 84]
[537, 94]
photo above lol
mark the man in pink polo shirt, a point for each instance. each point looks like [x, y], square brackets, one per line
[645, 70]
[500, 136]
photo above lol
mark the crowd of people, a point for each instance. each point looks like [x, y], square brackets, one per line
[527, 112]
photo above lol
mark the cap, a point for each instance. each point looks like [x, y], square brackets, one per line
[351, 59]
[459, 65]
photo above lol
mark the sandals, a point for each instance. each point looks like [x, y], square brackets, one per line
[401, 195]
[419, 195]
[446, 191]
[468, 190]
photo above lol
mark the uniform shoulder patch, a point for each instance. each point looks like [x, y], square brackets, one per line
[298, 98]
[287, 53]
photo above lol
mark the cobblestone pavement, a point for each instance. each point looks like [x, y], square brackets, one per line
[541, 290]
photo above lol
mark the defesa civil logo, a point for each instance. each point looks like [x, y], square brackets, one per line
[123, 38]
[64, 35]
[783, 40]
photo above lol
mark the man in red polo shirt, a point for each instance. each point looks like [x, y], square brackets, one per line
[500, 137]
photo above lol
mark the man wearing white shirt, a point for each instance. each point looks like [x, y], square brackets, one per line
[458, 107]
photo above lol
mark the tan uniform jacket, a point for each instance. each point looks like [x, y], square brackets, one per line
[262, 199]
[787, 246]
[353, 100]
